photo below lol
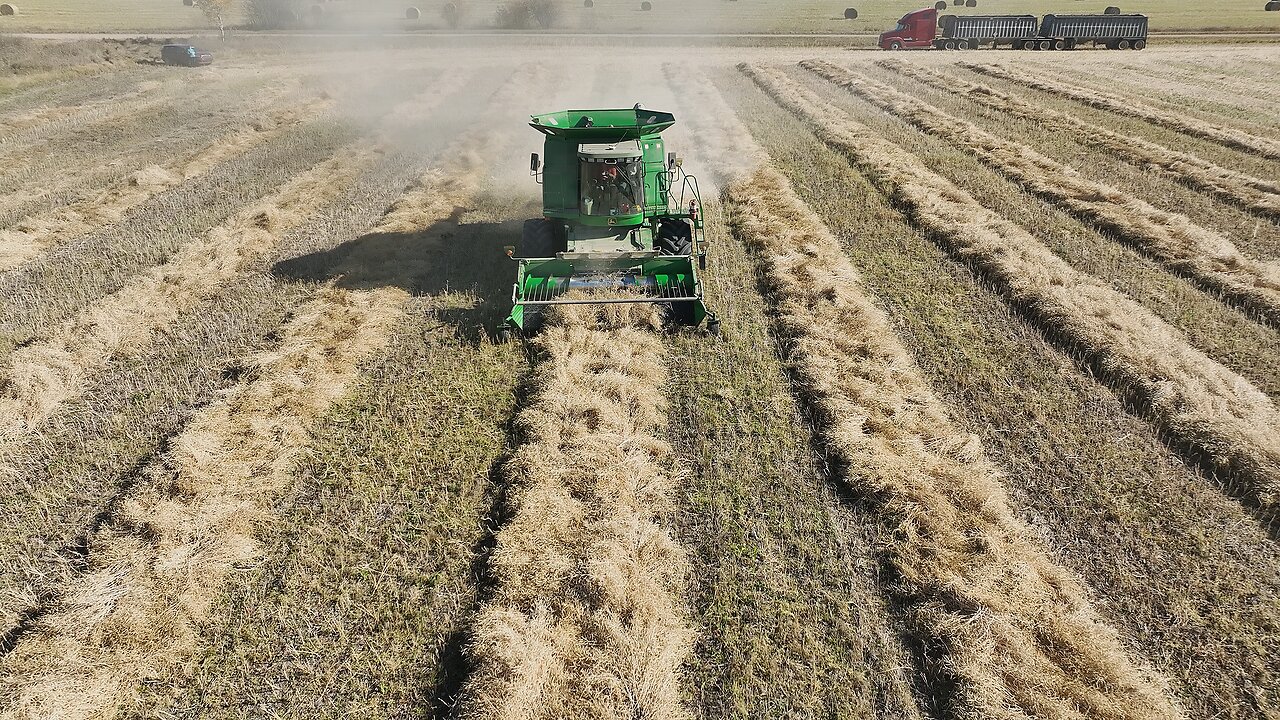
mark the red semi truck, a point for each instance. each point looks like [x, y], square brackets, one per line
[923, 29]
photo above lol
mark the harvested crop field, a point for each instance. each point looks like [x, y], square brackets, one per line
[991, 428]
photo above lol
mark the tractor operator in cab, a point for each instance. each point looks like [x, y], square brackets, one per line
[612, 180]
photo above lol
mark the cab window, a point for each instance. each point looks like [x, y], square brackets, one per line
[612, 186]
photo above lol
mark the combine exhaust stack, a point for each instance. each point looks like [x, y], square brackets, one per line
[621, 220]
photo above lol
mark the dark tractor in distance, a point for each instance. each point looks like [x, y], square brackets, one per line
[186, 55]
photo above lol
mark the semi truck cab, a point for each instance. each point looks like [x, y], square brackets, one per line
[915, 30]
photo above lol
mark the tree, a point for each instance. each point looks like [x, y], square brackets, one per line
[216, 11]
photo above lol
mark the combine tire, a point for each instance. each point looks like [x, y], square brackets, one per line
[539, 239]
[675, 237]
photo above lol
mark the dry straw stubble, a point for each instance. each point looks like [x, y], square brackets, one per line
[1017, 633]
[156, 569]
[583, 619]
[1228, 137]
[1219, 414]
[31, 236]
[1254, 194]
[1189, 249]
[42, 375]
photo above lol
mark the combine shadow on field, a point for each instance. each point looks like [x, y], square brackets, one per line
[461, 266]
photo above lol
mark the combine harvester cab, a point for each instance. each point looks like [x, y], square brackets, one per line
[621, 220]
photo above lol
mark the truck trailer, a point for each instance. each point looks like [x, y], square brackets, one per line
[1115, 32]
[924, 29]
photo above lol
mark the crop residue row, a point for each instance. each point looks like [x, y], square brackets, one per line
[583, 620]
[1037, 645]
[1185, 247]
[1233, 424]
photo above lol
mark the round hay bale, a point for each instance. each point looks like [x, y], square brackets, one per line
[188, 3]
[588, 3]
[850, 13]
[1111, 10]
[971, 3]
[940, 5]
[646, 6]
[8, 9]
[1273, 6]
[452, 17]
[412, 13]
[958, 3]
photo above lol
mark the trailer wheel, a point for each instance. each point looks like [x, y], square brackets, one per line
[1139, 44]
[949, 45]
[1059, 44]
[1123, 44]
[1030, 45]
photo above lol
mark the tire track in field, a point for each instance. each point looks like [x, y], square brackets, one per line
[32, 235]
[156, 565]
[1254, 194]
[583, 619]
[1229, 137]
[1017, 633]
[1221, 417]
[1184, 247]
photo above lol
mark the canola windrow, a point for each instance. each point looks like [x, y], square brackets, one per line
[1235, 426]
[1037, 648]
[1184, 247]
[1228, 137]
[155, 570]
[1246, 191]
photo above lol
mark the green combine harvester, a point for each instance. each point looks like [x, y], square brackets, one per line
[621, 220]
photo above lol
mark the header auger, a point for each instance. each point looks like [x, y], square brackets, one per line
[620, 219]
